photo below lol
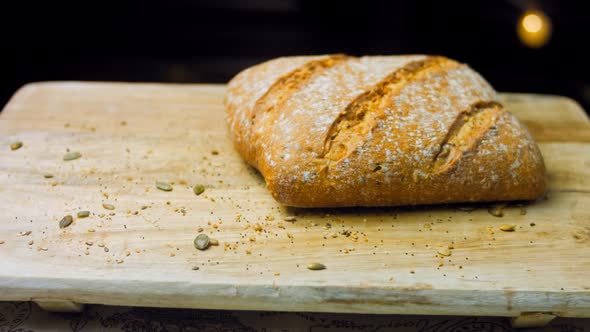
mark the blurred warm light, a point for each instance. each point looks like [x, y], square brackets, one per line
[532, 23]
[534, 29]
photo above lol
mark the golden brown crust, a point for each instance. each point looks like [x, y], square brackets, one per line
[328, 131]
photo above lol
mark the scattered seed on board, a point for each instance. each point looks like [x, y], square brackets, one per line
[72, 155]
[16, 146]
[507, 228]
[83, 214]
[66, 221]
[201, 241]
[214, 152]
[497, 210]
[108, 206]
[316, 266]
[444, 252]
[198, 189]
[213, 242]
[290, 218]
[48, 176]
[164, 186]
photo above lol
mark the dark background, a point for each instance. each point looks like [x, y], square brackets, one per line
[211, 40]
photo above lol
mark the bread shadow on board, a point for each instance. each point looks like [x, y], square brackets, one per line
[399, 214]
[493, 209]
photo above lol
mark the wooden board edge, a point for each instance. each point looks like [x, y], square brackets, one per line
[316, 298]
[31, 87]
[572, 103]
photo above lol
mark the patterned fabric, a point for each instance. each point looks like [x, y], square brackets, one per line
[27, 317]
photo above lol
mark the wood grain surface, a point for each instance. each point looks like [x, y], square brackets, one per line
[379, 260]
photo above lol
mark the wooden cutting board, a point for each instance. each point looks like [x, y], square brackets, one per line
[379, 260]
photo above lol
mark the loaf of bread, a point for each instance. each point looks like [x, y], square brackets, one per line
[336, 131]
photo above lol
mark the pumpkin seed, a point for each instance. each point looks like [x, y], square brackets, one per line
[66, 221]
[201, 241]
[508, 228]
[290, 218]
[497, 210]
[316, 266]
[72, 155]
[48, 176]
[108, 206]
[83, 214]
[165, 186]
[198, 189]
[444, 252]
[16, 146]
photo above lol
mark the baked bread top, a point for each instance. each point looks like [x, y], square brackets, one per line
[334, 130]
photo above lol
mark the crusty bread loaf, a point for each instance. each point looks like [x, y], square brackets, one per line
[333, 131]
